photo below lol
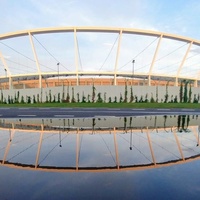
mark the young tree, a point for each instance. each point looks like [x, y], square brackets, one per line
[185, 97]
[190, 93]
[181, 92]
[131, 97]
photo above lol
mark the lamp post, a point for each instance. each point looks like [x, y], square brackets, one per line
[198, 136]
[6, 75]
[60, 144]
[58, 71]
[133, 61]
[5, 72]
[131, 142]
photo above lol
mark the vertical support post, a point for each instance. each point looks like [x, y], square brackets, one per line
[39, 146]
[196, 82]
[76, 57]
[179, 146]
[7, 71]
[183, 61]
[197, 133]
[153, 61]
[133, 62]
[151, 148]
[9, 144]
[10, 82]
[116, 148]
[77, 148]
[58, 71]
[117, 57]
[36, 60]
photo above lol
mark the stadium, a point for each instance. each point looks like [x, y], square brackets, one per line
[118, 64]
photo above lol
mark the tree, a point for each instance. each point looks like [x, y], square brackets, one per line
[125, 94]
[73, 99]
[34, 99]
[93, 93]
[120, 99]
[83, 98]
[156, 94]
[152, 99]
[22, 99]
[78, 99]
[1, 96]
[190, 93]
[58, 97]
[185, 97]
[50, 98]
[104, 97]
[99, 99]
[181, 92]
[131, 97]
[166, 95]
[88, 98]
[38, 98]
[176, 99]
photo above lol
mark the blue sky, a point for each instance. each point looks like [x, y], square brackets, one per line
[178, 17]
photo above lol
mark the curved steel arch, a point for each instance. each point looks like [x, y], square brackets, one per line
[150, 76]
[97, 29]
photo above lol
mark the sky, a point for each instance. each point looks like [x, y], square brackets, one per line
[178, 17]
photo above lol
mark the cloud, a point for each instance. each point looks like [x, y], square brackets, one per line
[139, 14]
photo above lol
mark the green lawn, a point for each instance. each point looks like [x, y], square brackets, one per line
[108, 105]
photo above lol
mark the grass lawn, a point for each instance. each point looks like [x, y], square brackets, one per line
[107, 105]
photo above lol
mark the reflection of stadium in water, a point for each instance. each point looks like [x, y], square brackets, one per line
[99, 144]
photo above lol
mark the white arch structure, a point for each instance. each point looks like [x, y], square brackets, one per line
[115, 73]
[153, 163]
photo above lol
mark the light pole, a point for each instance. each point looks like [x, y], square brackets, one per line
[6, 75]
[131, 142]
[5, 72]
[133, 61]
[198, 136]
[58, 71]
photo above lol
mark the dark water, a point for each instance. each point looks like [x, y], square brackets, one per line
[176, 182]
[91, 163]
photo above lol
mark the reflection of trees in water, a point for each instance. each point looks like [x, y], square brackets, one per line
[183, 123]
[125, 124]
[93, 124]
[165, 119]
[130, 122]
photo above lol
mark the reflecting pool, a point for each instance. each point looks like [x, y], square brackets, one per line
[120, 158]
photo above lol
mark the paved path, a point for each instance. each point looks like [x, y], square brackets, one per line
[89, 112]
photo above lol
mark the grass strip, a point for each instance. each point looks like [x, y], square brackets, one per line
[105, 105]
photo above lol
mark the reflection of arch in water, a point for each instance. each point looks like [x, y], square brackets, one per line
[116, 133]
[100, 169]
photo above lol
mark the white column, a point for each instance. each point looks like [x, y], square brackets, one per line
[151, 148]
[77, 149]
[9, 144]
[117, 57]
[179, 146]
[182, 63]
[76, 56]
[39, 146]
[36, 60]
[154, 59]
[116, 148]
[7, 70]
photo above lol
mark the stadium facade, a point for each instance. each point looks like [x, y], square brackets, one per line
[156, 64]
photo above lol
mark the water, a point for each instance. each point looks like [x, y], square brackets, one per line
[155, 157]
